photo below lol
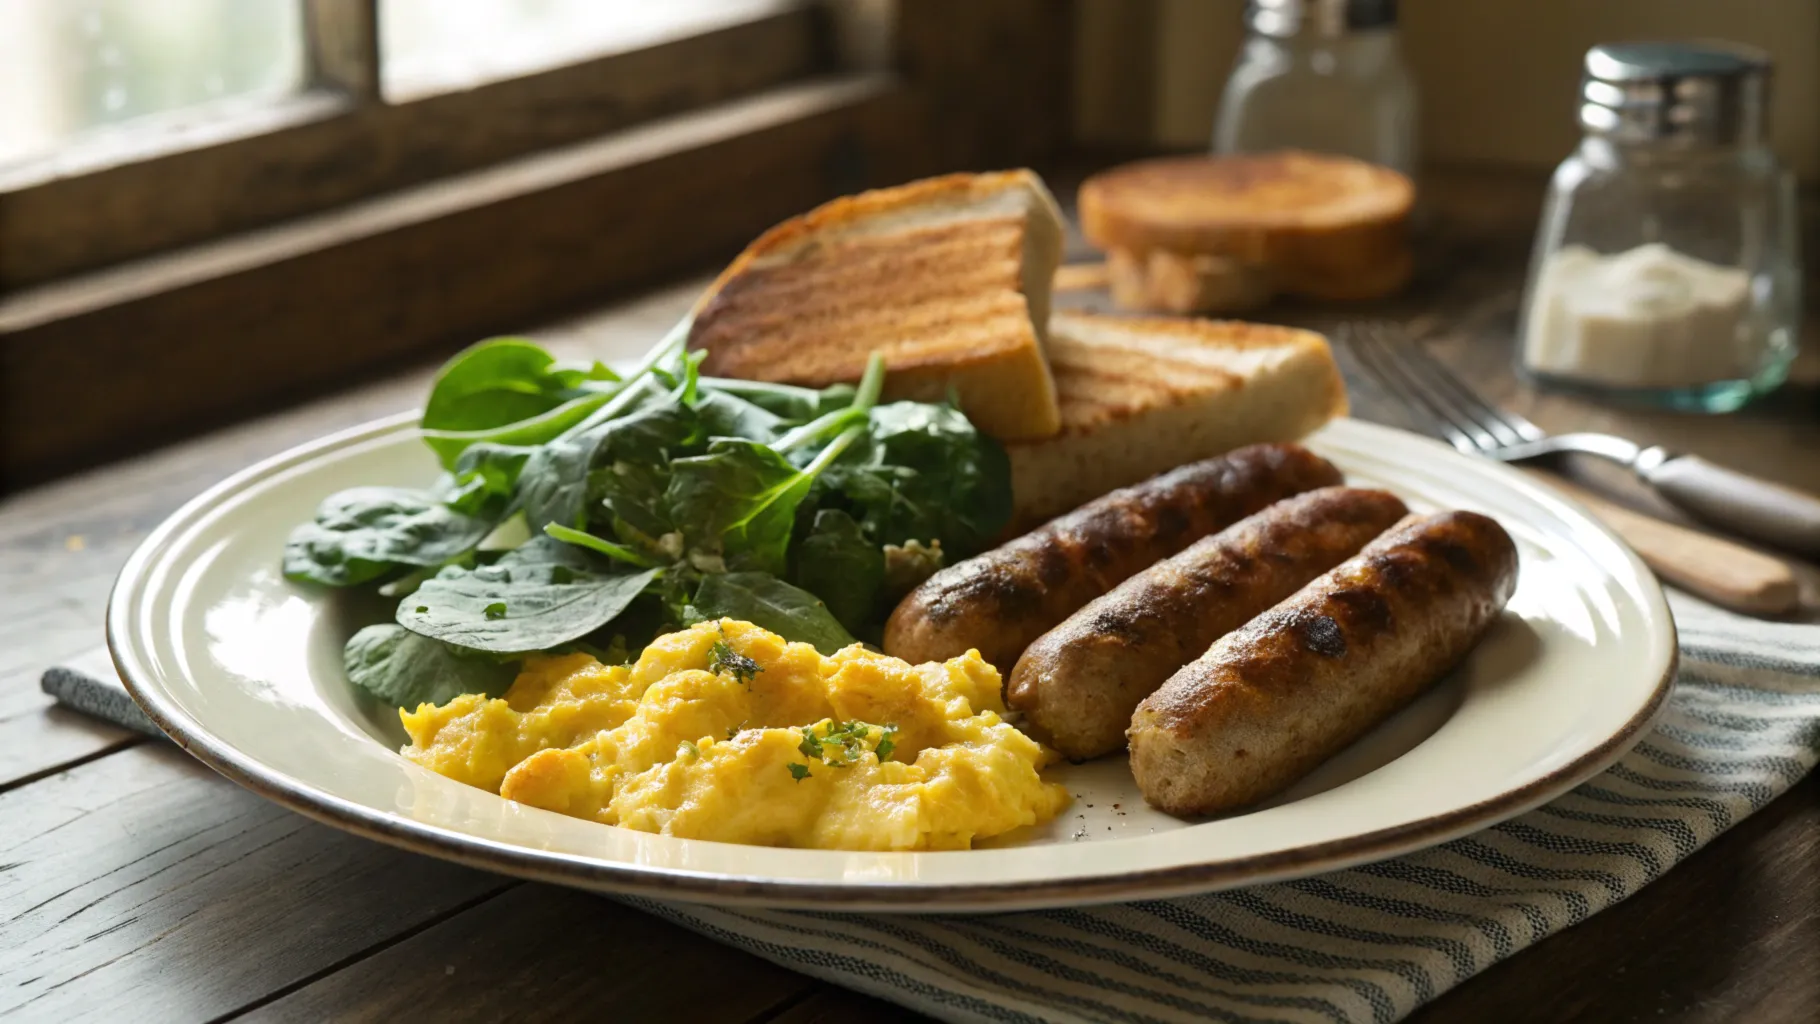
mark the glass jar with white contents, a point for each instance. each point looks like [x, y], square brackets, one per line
[1667, 267]
[1321, 75]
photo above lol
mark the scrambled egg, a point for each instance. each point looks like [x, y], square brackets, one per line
[724, 731]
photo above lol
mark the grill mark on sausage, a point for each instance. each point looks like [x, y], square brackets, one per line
[1300, 682]
[1077, 684]
[1364, 610]
[1000, 601]
[1457, 555]
[1050, 564]
[1321, 635]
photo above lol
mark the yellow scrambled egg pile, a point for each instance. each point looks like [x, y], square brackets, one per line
[724, 731]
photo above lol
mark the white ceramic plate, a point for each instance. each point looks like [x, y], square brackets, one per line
[244, 670]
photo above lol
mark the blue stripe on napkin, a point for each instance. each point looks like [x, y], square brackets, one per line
[1374, 942]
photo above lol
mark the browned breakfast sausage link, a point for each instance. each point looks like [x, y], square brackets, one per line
[1269, 702]
[1078, 684]
[1000, 601]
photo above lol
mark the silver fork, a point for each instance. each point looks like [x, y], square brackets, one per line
[1734, 501]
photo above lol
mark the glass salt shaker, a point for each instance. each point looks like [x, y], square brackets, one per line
[1321, 75]
[1667, 264]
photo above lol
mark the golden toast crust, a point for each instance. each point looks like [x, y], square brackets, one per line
[936, 276]
[854, 209]
[1095, 389]
[1231, 205]
[1140, 395]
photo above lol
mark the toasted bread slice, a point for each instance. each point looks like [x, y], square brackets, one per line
[949, 278]
[1141, 395]
[1161, 281]
[1250, 207]
[1165, 282]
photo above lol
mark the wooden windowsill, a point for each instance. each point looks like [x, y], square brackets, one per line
[177, 342]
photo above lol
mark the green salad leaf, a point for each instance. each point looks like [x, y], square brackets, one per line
[738, 501]
[768, 602]
[403, 669]
[614, 509]
[486, 475]
[534, 598]
[554, 484]
[837, 562]
[364, 533]
[501, 381]
[926, 473]
[478, 389]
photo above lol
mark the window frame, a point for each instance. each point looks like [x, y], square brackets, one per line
[129, 191]
[153, 328]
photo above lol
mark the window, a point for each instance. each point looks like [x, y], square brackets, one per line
[69, 67]
[211, 206]
[431, 46]
[123, 106]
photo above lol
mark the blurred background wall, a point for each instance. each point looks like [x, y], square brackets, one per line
[1497, 77]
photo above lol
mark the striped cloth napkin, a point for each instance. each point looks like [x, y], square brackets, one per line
[1370, 943]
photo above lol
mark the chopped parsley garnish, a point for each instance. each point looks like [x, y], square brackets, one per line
[799, 772]
[887, 743]
[686, 747]
[847, 738]
[496, 610]
[811, 746]
[724, 660]
[842, 744]
[732, 731]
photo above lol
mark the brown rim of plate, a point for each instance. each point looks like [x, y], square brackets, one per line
[661, 883]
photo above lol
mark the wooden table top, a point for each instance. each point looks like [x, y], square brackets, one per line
[136, 884]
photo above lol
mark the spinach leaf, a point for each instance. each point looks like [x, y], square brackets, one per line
[501, 381]
[405, 670]
[630, 498]
[925, 473]
[554, 484]
[836, 562]
[364, 533]
[727, 415]
[485, 476]
[601, 545]
[472, 401]
[536, 597]
[786, 401]
[737, 500]
[764, 600]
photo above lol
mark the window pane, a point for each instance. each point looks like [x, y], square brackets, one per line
[430, 46]
[69, 66]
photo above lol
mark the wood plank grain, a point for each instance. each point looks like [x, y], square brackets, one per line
[540, 953]
[62, 544]
[830, 1005]
[1115, 78]
[144, 887]
[993, 78]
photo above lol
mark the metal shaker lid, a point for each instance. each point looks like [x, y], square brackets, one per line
[1698, 92]
[1285, 18]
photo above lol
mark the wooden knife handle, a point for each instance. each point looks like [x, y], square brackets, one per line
[1727, 574]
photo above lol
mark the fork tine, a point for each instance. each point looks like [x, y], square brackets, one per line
[1508, 427]
[1404, 354]
[1367, 344]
